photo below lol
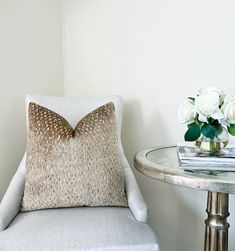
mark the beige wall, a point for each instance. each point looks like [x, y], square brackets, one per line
[153, 53]
[30, 62]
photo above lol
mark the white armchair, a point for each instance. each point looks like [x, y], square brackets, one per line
[81, 228]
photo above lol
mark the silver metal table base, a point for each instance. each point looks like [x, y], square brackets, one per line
[216, 234]
[162, 163]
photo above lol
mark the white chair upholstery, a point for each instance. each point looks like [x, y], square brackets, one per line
[98, 228]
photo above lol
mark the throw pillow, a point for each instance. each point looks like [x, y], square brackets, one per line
[69, 167]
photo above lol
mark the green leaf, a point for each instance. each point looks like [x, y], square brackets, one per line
[212, 121]
[197, 120]
[208, 131]
[193, 133]
[218, 129]
[231, 129]
[192, 124]
[191, 98]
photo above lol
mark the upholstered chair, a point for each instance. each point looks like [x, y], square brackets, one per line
[77, 228]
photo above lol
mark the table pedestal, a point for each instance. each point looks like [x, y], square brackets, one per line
[216, 234]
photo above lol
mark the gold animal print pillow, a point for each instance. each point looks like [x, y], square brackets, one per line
[69, 167]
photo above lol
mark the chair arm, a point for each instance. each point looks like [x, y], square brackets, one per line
[11, 202]
[135, 199]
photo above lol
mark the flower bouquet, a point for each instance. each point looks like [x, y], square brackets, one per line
[210, 116]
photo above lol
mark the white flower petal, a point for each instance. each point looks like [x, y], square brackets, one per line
[202, 117]
[208, 103]
[210, 89]
[186, 112]
[217, 115]
[228, 109]
[223, 122]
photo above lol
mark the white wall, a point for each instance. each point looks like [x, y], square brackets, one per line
[153, 53]
[30, 62]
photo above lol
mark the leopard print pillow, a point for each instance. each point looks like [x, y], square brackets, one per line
[69, 167]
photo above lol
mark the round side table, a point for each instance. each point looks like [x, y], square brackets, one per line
[162, 164]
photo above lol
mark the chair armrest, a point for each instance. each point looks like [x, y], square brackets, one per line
[135, 199]
[11, 202]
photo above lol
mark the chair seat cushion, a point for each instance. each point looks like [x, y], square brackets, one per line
[83, 229]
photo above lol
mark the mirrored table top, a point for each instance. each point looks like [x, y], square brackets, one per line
[162, 164]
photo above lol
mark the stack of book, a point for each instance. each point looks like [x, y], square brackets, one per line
[191, 157]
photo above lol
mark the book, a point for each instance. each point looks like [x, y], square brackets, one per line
[191, 157]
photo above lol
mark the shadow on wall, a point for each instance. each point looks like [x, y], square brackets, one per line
[177, 226]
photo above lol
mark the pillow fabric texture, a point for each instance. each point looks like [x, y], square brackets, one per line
[69, 167]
